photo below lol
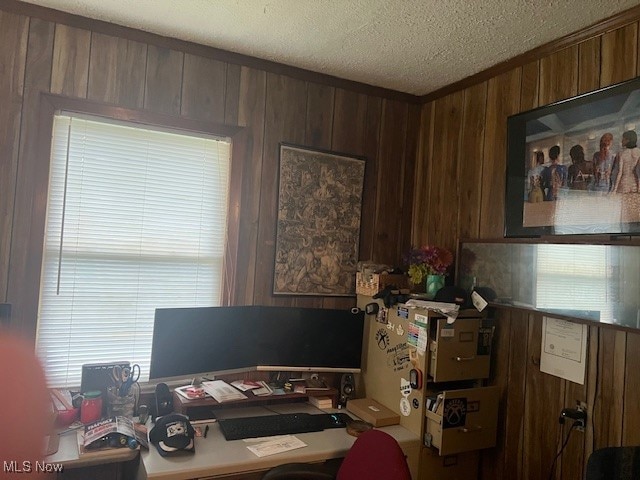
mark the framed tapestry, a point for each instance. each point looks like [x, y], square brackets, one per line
[318, 222]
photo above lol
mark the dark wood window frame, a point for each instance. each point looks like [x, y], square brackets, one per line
[32, 194]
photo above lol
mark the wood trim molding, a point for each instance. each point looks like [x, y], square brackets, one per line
[599, 28]
[81, 105]
[77, 21]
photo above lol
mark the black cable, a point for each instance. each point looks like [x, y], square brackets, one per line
[564, 444]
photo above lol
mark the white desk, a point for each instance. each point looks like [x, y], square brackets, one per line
[69, 457]
[216, 457]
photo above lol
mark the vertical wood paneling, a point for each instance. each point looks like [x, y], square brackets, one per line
[30, 207]
[509, 374]
[543, 403]
[502, 100]
[203, 87]
[519, 357]
[163, 84]
[349, 122]
[469, 172]
[422, 183]
[251, 114]
[530, 91]
[117, 71]
[631, 413]
[619, 55]
[408, 174]
[232, 94]
[318, 129]
[559, 75]
[13, 52]
[443, 201]
[285, 115]
[608, 407]
[347, 135]
[386, 248]
[319, 122]
[588, 62]
[371, 150]
[70, 72]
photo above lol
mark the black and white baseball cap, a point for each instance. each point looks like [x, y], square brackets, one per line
[172, 433]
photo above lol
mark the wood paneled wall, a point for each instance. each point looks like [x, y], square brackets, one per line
[42, 55]
[460, 185]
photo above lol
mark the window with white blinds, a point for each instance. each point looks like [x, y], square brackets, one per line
[136, 220]
[575, 281]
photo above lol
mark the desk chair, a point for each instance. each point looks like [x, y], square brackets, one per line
[375, 455]
[614, 463]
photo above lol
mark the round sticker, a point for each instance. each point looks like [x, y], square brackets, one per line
[405, 407]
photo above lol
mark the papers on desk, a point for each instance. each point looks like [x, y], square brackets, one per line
[221, 391]
[279, 444]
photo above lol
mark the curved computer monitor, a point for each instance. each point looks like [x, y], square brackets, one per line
[210, 341]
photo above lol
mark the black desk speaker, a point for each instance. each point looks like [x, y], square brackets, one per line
[164, 400]
[347, 389]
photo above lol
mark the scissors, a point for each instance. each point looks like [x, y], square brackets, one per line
[119, 375]
[132, 375]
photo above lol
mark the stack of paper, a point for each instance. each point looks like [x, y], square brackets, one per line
[221, 391]
[321, 402]
[272, 445]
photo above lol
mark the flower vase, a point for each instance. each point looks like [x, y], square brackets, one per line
[433, 284]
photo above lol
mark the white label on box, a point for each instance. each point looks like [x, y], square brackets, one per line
[375, 409]
[448, 332]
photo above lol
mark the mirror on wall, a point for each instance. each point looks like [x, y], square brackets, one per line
[590, 282]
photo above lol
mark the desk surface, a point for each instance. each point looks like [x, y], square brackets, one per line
[68, 455]
[215, 456]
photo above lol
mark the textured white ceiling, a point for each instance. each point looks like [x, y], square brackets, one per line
[413, 46]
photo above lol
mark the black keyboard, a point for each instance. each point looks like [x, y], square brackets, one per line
[282, 424]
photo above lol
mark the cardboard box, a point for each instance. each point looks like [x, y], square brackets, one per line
[462, 466]
[370, 284]
[465, 420]
[373, 412]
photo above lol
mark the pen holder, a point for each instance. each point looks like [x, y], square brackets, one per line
[120, 406]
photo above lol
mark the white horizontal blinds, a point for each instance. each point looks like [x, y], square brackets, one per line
[578, 281]
[136, 220]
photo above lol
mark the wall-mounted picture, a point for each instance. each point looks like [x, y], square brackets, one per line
[318, 229]
[572, 166]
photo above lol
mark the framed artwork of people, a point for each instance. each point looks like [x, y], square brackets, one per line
[572, 166]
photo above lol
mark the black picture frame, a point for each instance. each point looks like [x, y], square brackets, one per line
[575, 202]
[320, 195]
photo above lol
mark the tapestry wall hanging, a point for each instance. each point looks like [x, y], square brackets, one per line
[318, 229]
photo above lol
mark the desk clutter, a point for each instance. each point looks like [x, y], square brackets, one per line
[102, 411]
